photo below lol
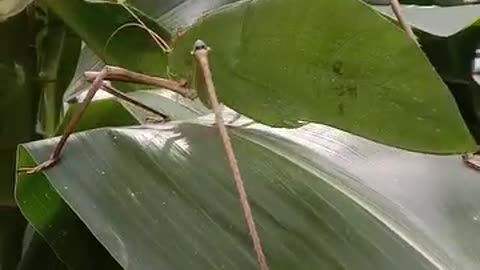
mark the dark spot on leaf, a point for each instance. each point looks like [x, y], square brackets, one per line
[352, 90]
[337, 67]
[341, 109]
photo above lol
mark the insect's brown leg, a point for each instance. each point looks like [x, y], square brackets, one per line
[55, 156]
[397, 10]
[472, 160]
[125, 75]
[114, 92]
[200, 51]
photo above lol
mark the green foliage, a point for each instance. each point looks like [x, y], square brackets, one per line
[139, 194]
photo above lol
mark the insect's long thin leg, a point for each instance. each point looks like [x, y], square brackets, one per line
[124, 75]
[55, 156]
[397, 10]
[472, 160]
[200, 51]
[116, 93]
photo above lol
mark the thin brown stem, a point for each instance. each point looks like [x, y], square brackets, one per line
[201, 55]
[124, 75]
[116, 93]
[397, 10]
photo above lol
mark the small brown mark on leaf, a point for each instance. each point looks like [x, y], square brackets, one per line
[341, 109]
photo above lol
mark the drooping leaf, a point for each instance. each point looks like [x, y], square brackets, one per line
[18, 96]
[321, 198]
[276, 62]
[449, 36]
[326, 72]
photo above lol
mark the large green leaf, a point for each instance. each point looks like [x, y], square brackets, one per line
[162, 197]
[325, 72]
[449, 37]
[18, 96]
[276, 62]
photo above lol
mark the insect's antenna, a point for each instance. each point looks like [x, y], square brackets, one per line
[154, 35]
[158, 40]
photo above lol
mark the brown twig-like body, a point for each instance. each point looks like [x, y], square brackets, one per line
[125, 75]
[201, 54]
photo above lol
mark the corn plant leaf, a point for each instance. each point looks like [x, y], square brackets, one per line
[161, 196]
